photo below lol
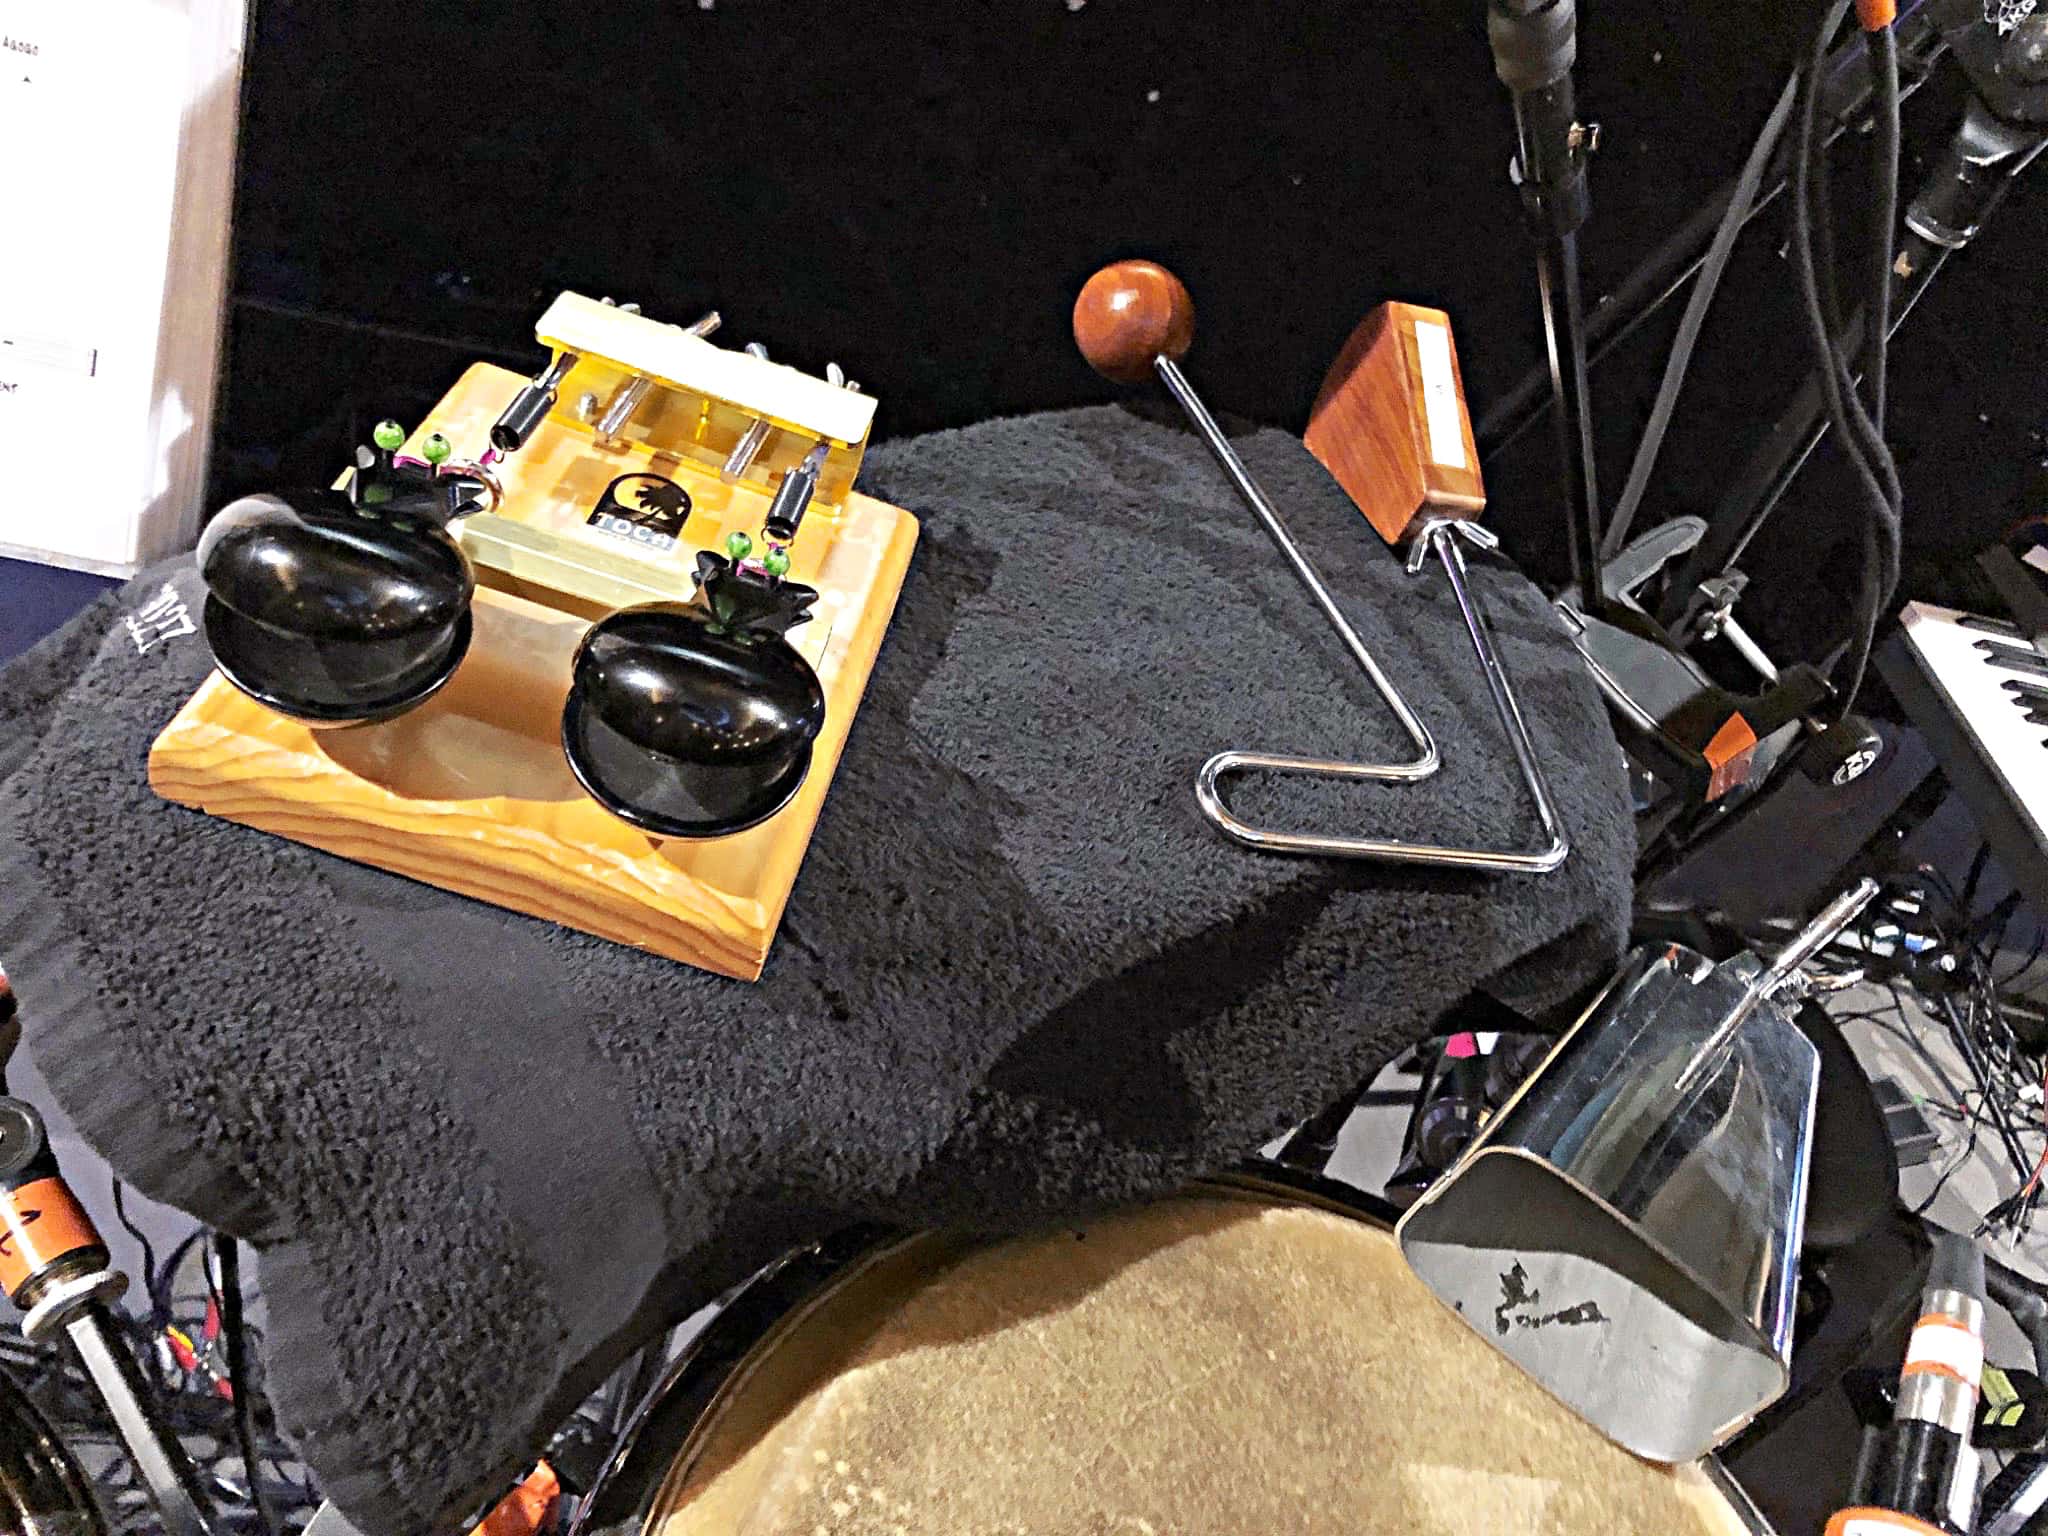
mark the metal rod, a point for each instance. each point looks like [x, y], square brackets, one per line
[633, 393]
[1564, 339]
[1740, 638]
[1438, 536]
[1427, 759]
[749, 447]
[1783, 966]
[159, 1460]
[1442, 537]
[1663, 274]
[628, 400]
[1815, 936]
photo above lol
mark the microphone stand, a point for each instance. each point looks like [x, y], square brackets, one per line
[57, 1271]
[1535, 43]
[1998, 137]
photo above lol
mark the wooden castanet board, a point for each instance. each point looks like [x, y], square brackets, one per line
[470, 792]
[1390, 423]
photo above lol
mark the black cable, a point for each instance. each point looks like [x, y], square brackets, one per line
[1962, 1157]
[1847, 333]
[2026, 1300]
[1966, 902]
[239, 1380]
[1815, 222]
[1986, 1041]
[2027, 965]
[162, 1285]
[1662, 275]
[1861, 443]
[140, 1236]
[1740, 206]
[1882, 49]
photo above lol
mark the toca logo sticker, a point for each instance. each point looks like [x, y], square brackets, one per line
[163, 617]
[644, 509]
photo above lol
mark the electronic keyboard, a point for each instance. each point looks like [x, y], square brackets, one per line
[1978, 690]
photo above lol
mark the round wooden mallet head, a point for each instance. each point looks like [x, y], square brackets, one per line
[1130, 313]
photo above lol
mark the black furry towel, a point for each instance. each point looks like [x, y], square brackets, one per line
[482, 1157]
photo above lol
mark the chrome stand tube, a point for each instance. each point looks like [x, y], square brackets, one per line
[1439, 536]
[159, 1460]
[1426, 761]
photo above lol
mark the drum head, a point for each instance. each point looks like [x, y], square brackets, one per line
[1212, 1364]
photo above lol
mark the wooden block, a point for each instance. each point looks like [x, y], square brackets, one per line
[1391, 423]
[470, 792]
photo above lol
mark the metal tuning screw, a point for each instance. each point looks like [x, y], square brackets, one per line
[632, 394]
[749, 447]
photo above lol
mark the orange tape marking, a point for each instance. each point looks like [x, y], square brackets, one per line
[39, 1224]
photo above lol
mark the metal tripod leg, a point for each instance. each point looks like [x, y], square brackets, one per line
[1439, 535]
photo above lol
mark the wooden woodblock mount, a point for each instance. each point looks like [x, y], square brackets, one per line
[1390, 423]
[470, 791]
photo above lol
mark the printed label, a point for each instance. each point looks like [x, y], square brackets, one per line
[1939, 1344]
[632, 533]
[1446, 422]
[645, 509]
[39, 1224]
[163, 617]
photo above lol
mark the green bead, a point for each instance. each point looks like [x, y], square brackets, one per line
[389, 436]
[776, 561]
[436, 448]
[738, 546]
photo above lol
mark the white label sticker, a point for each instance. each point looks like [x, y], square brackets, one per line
[1440, 394]
[1948, 1346]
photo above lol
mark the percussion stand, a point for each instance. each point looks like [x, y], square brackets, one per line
[55, 1267]
[1984, 157]
[1535, 43]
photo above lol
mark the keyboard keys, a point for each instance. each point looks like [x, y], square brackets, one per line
[2015, 658]
[1989, 626]
[1987, 703]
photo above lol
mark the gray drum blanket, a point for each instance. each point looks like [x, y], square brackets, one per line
[481, 1158]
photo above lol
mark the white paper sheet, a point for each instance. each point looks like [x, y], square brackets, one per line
[113, 221]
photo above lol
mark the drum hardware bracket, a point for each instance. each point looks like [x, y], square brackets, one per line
[1781, 978]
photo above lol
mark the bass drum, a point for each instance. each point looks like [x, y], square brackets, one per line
[1250, 1356]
